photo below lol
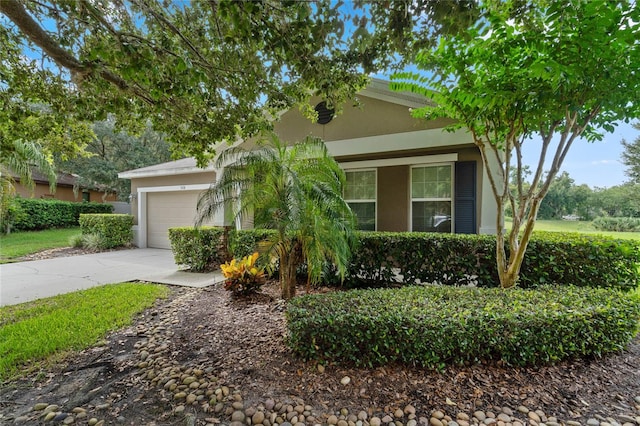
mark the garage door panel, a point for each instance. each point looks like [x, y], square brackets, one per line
[167, 210]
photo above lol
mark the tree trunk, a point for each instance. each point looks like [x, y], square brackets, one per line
[509, 266]
[288, 269]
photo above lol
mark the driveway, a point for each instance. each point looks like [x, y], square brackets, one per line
[26, 281]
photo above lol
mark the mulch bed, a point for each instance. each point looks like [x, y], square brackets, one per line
[242, 342]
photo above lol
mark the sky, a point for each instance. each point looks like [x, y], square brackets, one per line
[597, 164]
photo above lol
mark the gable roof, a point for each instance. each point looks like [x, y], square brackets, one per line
[377, 89]
[177, 167]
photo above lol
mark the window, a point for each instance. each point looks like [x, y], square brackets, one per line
[360, 194]
[431, 191]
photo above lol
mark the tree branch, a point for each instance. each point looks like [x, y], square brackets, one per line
[16, 12]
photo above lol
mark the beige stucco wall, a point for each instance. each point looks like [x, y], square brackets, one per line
[393, 198]
[372, 117]
[170, 182]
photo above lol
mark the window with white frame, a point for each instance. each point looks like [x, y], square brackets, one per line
[431, 198]
[360, 194]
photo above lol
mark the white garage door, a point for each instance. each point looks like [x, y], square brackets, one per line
[167, 210]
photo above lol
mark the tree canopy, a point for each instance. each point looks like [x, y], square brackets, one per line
[631, 157]
[203, 72]
[112, 151]
[549, 75]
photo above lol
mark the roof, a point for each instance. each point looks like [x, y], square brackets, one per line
[377, 89]
[177, 167]
[62, 179]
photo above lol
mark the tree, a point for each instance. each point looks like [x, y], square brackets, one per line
[295, 190]
[557, 202]
[113, 151]
[618, 201]
[513, 80]
[631, 157]
[206, 72]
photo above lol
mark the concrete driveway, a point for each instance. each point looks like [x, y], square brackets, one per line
[26, 281]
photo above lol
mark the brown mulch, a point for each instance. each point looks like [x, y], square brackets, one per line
[242, 342]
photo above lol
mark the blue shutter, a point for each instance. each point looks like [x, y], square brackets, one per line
[465, 197]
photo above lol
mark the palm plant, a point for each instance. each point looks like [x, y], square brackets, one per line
[295, 190]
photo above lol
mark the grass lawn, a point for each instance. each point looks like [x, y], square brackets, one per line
[46, 329]
[19, 244]
[577, 226]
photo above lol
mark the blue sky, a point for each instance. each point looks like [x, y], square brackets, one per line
[595, 163]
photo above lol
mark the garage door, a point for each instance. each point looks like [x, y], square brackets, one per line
[167, 210]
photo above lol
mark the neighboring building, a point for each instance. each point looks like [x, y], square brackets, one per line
[403, 174]
[67, 189]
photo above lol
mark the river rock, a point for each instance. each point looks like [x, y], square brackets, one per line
[237, 416]
[257, 418]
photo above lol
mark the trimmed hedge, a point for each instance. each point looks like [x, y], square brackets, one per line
[432, 326]
[197, 248]
[113, 230]
[245, 242]
[390, 259]
[45, 214]
[617, 224]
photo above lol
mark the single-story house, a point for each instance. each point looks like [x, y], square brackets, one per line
[403, 174]
[67, 189]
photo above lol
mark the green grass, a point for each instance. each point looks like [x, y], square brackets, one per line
[20, 244]
[47, 329]
[577, 226]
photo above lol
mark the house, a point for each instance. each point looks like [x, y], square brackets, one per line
[67, 189]
[403, 174]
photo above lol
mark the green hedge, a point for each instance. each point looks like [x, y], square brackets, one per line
[384, 259]
[114, 230]
[436, 325]
[617, 224]
[245, 242]
[45, 214]
[197, 248]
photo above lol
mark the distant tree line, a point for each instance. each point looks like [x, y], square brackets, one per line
[565, 198]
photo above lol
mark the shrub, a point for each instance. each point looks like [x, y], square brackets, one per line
[94, 242]
[10, 213]
[45, 214]
[76, 241]
[247, 241]
[432, 326]
[580, 259]
[617, 224]
[198, 248]
[243, 276]
[112, 230]
[388, 259]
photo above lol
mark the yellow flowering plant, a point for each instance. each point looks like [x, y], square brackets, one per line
[243, 276]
